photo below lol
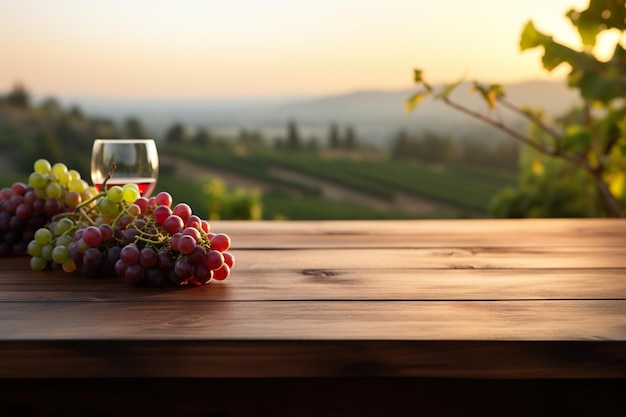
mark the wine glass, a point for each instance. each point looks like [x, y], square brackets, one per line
[136, 161]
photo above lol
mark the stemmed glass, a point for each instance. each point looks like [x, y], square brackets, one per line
[133, 161]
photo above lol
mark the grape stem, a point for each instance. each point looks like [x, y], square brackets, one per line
[109, 175]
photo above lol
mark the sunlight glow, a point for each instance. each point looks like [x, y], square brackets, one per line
[197, 48]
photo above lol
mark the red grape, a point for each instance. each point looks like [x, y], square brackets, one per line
[106, 231]
[173, 224]
[229, 259]
[130, 254]
[148, 257]
[182, 210]
[194, 233]
[220, 242]
[92, 258]
[23, 211]
[92, 236]
[198, 255]
[161, 213]
[134, 274]
[221, 273]
[202, 275]
[183, 268]
[214, 260]
[174, 241]
[142, 203]
[194, 221]
[164, 199]
[186, 244]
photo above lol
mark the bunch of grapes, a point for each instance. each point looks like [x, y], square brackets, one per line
[26, 207]
[144, 241]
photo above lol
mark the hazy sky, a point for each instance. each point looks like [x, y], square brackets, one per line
[207, 48]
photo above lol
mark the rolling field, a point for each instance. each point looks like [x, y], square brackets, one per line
[297, 185]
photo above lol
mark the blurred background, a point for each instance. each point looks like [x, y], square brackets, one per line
[297, 110]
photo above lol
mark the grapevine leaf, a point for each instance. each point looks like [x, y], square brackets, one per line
[532, 38]
[537, 166]
[417, 76]
[419, 79]
[600, 15]
[415, 99]
[617, 183]
[490, 93]
[619, 56]
[554, 53]
[536, 112]
[449, 88]
[595, 86]
[587, 29]
[576, 139]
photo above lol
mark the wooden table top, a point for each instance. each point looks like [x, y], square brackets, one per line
[424, 298]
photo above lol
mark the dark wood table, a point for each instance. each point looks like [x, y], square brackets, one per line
[367, 318]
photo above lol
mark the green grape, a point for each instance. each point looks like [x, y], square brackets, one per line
[82, 246]
[46, 251]
[75, 175]
[108, 208]
[63, 225]
[64, 240]
[131, 194]
[77, 185]
[115, 193]
[60, 254]
[37, 263]
[43, 236]
[58, 168]
[64, 178]
[33, 248]
[131, 185]
[54, 190]
[41, 192]
[37, 180]
[42, 166]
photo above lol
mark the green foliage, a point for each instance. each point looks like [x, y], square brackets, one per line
[47, 131]
[202, 137]
[579, 161]
[490, 93]
[293, 136]
[176, 134]
[379, 178]
[430, 147]
[19, 97]
[231, 203]
[305, 183]
[600, 15]
[135, 129]
[548, 187]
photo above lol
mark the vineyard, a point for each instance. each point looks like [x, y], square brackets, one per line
[296, 184]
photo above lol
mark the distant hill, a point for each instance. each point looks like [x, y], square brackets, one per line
[375, 115]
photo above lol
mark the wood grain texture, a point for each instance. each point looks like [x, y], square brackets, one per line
[426, 233]
[255, 283]
[477, 299]
[319, 320]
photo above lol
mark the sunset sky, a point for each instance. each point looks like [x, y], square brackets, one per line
[207, 48]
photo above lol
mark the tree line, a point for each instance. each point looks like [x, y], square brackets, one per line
[430, 147]
[48, 130]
